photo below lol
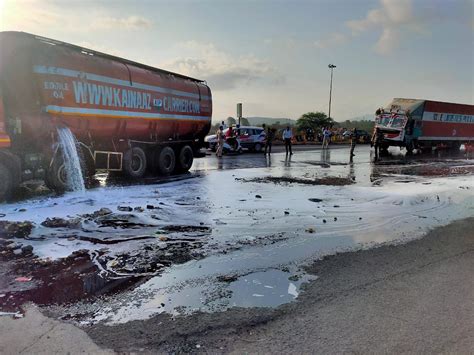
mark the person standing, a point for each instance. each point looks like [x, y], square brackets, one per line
[220, 141]
[287, 136]
[377, 139]
[354, 138]
[269, 140]
[326, 137]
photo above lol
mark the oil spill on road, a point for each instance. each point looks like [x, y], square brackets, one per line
[328, 180]
[29, 279]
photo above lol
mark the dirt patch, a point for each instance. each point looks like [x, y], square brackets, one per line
[438, 169]
[328, 180]
[123, 221]
[61, 223]
[184, 229]
[44, 282]
[150, 260]
[10, 230]
[85, 274]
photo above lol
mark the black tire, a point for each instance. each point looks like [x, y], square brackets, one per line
[185, 159]
[11, 164]
[257, 147]
[166, 161]
[55, 177]
[6, 182]
[134, 163]
[455, 148]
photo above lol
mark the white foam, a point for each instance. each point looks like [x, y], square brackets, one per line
[72, 162]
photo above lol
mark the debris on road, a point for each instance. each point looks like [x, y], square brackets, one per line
[227, 278]
[62, 223]
[23, 279]
[329, 180]
[10, 230]
[125, 208]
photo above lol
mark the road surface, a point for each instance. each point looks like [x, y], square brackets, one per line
[229, 256]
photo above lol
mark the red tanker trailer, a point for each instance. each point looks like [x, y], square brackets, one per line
[126, 116]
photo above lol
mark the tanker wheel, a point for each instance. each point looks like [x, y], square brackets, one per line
[56, 176]
[134, 162]
[166, 161]
[185, 159]
[455, 148]
[10, 174]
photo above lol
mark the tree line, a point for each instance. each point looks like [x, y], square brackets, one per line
[314, 121]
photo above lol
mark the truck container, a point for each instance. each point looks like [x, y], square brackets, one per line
[126, 116]
[425, 124]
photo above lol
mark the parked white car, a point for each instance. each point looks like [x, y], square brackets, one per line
[250, 137]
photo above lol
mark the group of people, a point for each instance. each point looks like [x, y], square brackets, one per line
[230, 136]
[287, 135]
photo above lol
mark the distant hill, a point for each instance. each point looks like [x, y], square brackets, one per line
[366, 117]
[258, 121]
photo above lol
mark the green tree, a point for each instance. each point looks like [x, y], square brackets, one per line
[364, 125]
[314, 121]
[244, 121]
[230, 121]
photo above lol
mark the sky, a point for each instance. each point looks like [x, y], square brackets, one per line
[273, 55]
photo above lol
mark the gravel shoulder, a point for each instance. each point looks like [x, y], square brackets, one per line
[412, 298]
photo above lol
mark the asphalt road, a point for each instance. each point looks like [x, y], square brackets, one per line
[412, 298]
[417, 297]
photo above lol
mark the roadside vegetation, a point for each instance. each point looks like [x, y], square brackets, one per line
[309, 126]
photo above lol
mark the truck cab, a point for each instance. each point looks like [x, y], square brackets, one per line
[395, 127]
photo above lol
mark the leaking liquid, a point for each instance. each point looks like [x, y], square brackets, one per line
[72, 161]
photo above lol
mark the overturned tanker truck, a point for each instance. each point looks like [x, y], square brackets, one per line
[127, 117]
[424, 124]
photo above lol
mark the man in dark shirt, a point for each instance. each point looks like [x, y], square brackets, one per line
[269, 140]
[377, 139]
[354, 138]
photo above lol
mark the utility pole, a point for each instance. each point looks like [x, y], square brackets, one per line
[330, 66]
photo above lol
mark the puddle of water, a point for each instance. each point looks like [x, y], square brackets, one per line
[266, 289]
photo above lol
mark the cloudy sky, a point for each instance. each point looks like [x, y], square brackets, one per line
[273, 55]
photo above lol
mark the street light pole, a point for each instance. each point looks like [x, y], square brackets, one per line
[330, 66]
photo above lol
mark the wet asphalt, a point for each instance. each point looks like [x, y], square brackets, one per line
[236, 231]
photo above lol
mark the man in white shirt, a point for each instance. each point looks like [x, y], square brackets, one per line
[287, 135]
[326, 137]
